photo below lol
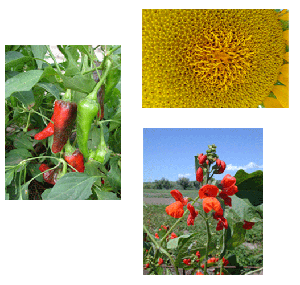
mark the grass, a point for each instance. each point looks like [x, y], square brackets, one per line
[155, 216]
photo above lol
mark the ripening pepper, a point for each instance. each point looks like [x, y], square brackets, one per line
[50, 176]
[76, 160]
[64, 117]
[47, 132]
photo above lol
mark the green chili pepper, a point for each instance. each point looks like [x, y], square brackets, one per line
[87, 109]
[100, 152]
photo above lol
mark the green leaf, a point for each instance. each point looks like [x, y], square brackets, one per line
[243, 208]
[195, 242]
[72, 186]
[51, 88]
[25, 97]
[114, 174]
[173, 243]
[250, 186]
[39, 51]
[15, 156]
[116, 123]
[22, 82]
[79, 83]
[102, 195]
[23, 140]
[14, 58]
[9, 176]
[237, 236]
[112, 79]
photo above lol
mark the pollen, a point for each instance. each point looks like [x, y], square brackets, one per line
[210, 58]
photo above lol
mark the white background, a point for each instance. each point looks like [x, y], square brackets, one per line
[93, 242]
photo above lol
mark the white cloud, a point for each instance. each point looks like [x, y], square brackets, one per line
[184, 175]
[248, 166]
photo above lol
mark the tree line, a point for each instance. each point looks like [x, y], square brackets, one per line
[183, 183]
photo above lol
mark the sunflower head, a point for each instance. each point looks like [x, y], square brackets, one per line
[210, 58]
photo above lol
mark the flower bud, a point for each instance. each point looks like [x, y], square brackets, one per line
[199, 174]
[201, 158]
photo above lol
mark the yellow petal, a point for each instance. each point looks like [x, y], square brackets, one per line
[270, 102]
[282, 12]
[286, 36]
[284, 76]
[284, 17]
[282, 94]
[286, 56]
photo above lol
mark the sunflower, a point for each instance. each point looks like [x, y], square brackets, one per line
[215, 58]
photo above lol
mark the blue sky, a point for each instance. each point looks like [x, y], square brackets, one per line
[169, 153]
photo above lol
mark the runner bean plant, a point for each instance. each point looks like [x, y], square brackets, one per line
[226, 216]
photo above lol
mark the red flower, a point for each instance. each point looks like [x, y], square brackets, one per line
[248, 225]
[201, 158]
[198, 254]
[211, 203]
[160, 261]
[225, 261]
[208, 191]
[193, 214]
[199, 174]
[227, 200]
[228, 181]
[222, 224]
[187, 262]
[228, 184]
[178, 197]
[164, 227]
[175, 210]
[173, 235]
[147, 265]
[156, 235]
[213, 260]
[219, 273]
[199, 273]
[231, 191]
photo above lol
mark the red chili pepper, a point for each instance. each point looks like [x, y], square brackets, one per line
[64, 117]
[47, 132]
[76, 160]
[49, 176]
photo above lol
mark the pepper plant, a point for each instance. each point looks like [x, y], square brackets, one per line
[63, 123]
[226, 218]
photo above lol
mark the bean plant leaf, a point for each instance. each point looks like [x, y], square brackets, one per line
[250, 186]
[72, 186]
[238, 236]
[22, 82]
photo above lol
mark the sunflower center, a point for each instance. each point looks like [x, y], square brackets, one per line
[220, 59]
